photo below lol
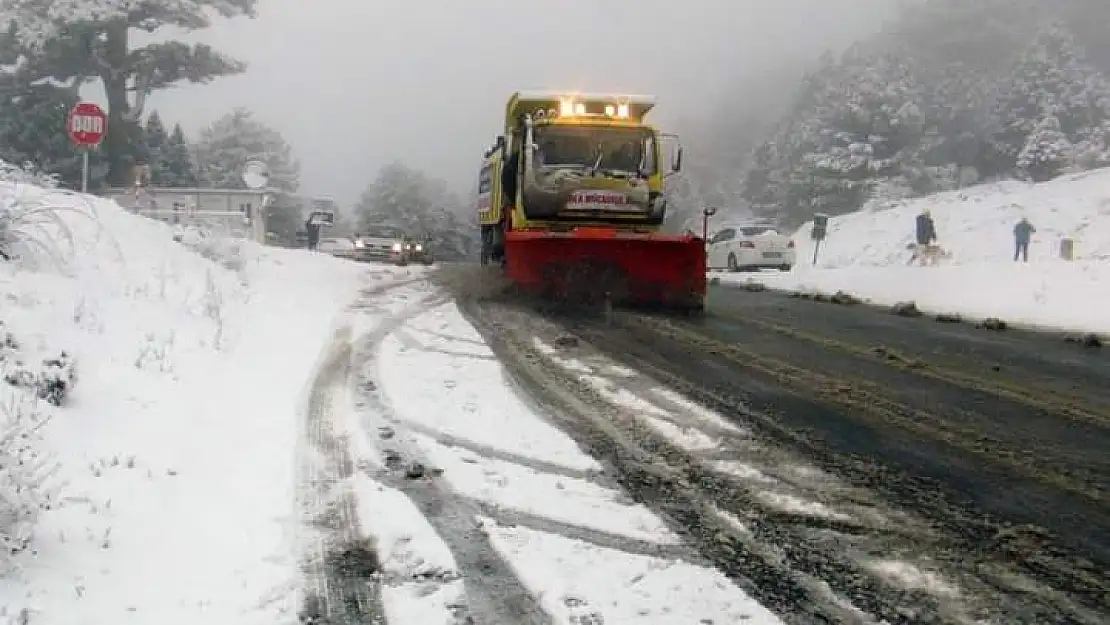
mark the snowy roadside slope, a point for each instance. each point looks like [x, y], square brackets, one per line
[975, 224]
[178, 441]
[865, 254]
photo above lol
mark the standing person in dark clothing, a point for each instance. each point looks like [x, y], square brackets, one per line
[1023, 231]
[926, 235]
[926, 229]
[313, 233]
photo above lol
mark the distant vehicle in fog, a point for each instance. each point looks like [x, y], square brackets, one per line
[419, 251]
[382, 243]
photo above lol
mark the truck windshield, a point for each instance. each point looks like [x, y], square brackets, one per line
[607, 148]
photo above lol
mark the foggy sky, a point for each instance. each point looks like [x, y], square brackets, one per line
[353, 84]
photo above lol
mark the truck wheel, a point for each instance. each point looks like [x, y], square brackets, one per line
[694, 311]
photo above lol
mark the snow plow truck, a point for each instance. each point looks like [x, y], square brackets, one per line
[571, 204]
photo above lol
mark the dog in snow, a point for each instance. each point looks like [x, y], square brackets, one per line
[927, 255]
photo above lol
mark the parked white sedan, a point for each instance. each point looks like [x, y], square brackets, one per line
[747, 248]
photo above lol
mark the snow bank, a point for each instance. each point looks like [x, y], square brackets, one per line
[866, 254]
[975, 224]
[176, 444]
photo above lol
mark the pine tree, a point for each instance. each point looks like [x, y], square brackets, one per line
[230, 142]
[157, 143]
[1047, 151]
[1051, 79]
[178, 161]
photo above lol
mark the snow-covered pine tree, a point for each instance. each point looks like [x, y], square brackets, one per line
[78, 40]
[227, 144]
[1094, 151]
[1047, 151]
[860, 130]
[1051, 79]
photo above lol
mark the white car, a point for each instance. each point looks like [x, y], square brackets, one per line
[748, 248]
[382, 243]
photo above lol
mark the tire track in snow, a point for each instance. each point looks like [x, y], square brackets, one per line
[492, 592]
[339, 563]
[639, 565]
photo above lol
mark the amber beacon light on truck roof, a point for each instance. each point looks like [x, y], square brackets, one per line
[555, 105]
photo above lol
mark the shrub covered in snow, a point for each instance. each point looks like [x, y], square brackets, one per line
[25, 475]
[50, 380]
[26, 174]
[24, 470]
[32, 227]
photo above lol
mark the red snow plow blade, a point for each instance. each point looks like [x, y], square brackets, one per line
[588, 265]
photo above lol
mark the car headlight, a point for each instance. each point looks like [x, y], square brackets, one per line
[397, 247]
[360, 244]
[419, 248]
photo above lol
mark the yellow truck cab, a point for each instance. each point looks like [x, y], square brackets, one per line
[565, 161]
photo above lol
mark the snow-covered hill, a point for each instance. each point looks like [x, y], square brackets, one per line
[170, 498]
[866, 254]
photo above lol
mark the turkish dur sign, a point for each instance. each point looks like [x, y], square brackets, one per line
[87, 124]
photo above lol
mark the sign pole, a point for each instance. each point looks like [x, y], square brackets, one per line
[818, 232]
[85, 170]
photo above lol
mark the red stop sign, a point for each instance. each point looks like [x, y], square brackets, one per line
[87, 124]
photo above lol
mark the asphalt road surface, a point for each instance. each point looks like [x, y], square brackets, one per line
[990, 446]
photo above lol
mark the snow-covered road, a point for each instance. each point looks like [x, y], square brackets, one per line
[478, 506]
[266, 436]
[260, 435]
